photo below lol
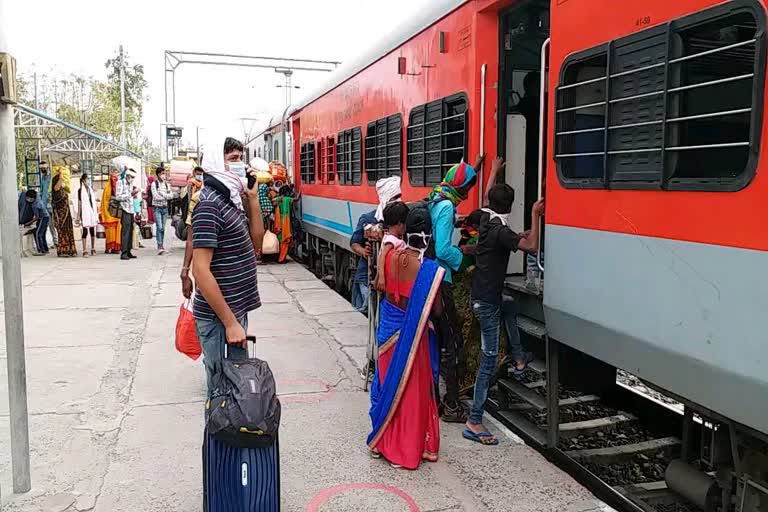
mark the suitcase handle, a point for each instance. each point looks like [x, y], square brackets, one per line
[249, 338]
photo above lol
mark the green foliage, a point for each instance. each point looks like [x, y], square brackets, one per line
[91, 104]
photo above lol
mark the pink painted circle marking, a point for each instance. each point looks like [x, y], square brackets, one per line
[326, 494]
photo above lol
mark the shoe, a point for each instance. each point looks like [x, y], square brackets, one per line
[455, 413]
[124, 257]
[160, 251]
[131, 256]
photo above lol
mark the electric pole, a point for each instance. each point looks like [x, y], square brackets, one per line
[122, 97]
[12, 297]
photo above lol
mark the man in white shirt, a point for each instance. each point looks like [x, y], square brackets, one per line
[161, 194]
[123, 194]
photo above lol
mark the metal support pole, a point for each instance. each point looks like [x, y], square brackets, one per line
[553, 393]
[165, 89]
[122, 97]
[173, 89]
[14, 309]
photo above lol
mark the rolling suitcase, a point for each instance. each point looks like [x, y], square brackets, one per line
[240, 475]
[240, 479]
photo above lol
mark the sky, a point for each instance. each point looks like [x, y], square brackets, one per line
[77, 36]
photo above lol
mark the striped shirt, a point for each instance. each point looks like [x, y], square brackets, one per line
[219, 225]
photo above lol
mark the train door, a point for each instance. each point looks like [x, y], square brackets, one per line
[523, 32]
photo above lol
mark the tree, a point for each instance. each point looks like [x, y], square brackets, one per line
[90, 103]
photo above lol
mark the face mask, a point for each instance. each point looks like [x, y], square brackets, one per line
[425, 239]
[237, 168]
[199, 177]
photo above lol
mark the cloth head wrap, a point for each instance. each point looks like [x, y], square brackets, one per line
[460, 176]
[387, 189]
[213, 166]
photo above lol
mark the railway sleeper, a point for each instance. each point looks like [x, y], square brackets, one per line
[578, 428]
[564, 402]
[613, 454]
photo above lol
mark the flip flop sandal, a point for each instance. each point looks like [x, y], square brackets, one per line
[480, 438]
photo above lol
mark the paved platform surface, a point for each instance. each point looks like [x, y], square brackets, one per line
[117, 416]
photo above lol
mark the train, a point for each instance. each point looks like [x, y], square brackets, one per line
[640, 122]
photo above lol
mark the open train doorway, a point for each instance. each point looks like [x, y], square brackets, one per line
[523, 30]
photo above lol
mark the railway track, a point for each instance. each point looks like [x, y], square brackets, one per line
[618, 446]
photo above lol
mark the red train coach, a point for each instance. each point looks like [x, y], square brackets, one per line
[646, 138]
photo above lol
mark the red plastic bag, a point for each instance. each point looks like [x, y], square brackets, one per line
[186, 335]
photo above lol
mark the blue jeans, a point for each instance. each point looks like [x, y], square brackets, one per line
[161, 215]
[490, 317]
[213, 338]
[360, 293]
[42, 228]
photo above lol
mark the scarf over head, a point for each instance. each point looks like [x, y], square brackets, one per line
[458, 177]
[387, 189]
[213, 166]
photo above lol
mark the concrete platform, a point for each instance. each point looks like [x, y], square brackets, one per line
[117, 415]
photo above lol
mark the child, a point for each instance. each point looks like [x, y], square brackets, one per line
[394, 223]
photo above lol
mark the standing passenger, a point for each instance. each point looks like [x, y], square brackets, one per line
[161, 194]
[406, 429]
[86, 212]
[388, 190]
[123, 194]
[283, 228]
[494, 245]
[111, 224]
[193, 192]
[45, 197]
[443, 201]
[40, 213]
[226, 236]
[62, 216]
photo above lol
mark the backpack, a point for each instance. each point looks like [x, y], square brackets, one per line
[181, 230]
[426, 204]
[181, 225]
[149, 195]
[244, 410]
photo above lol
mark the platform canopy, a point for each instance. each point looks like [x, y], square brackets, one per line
[59, 136]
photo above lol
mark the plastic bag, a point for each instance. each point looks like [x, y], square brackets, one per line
[270, 243]
[186, 335]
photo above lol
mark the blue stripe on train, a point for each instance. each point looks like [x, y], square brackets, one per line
[336, 226]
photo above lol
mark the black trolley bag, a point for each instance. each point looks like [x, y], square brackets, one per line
[241, 456]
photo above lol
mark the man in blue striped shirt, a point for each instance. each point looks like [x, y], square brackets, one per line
[227, 233]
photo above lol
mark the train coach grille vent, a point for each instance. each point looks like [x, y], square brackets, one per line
[307, 162]
[437, 139]
[349, 163]
[384, 148]
[677, 106]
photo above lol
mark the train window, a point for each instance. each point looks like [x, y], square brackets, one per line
[349, 168]
[437, 139]
[384, 148]
[277, 151]
[307, 162]
[675, 107]
[327, 153]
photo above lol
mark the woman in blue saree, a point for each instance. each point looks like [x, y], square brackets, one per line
[403, 410]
